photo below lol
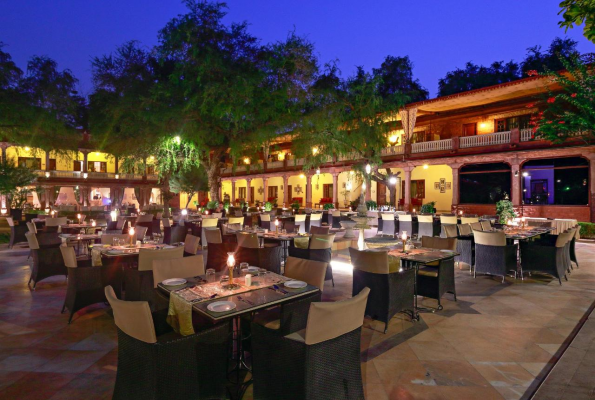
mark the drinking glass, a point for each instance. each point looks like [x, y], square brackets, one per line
[210, 275]
[224, 281]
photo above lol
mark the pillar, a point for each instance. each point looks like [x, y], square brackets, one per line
[336, 189]
[113, 193]
[116, 164]
[233, 191]
[4, 146]
[248, 182]
[265, 186]
[407, 194]
[286, 189]
[455, 186]
[48, 193]
[516, 184]
[591, 158]
[85, 159]
[47, 160]
[368, 194]
[309, 191]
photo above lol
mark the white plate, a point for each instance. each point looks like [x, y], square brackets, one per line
[221, 306]
[253, 269]
[116, 252]
[174, 282]
[295, 284]
[447, 251]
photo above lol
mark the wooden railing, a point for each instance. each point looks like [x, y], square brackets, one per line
[489, 139]
[436, 145]
[92, 175]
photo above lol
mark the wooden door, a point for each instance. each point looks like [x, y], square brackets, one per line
[470, 129]
[380, 193]
[252, 199]
[289, 194]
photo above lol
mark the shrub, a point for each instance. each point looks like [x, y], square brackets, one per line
[328, 206]
[295, 205]
[428, 208]
[371, 205]
[587, 230]
[505, 211]
[268, 206]
[213, 204]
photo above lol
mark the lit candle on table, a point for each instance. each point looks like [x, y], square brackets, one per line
[231, 262]
[277, 225]
[404, 239]
[131, 233]
[79, 217]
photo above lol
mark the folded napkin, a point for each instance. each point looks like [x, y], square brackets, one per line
[96, 257]
[179, 315]
[301, 242]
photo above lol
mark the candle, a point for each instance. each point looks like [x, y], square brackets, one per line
[461, 212]
[404, 235]
[231, 261]
[248, 280]
[53, 212]
[79, 217]
[113, 215]
[404, 239]
[207, 212]
[93, 223]
[131, 233]
[277, 225]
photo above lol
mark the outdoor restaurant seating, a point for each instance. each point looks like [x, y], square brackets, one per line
[141, 232]
[469, 220]
[572, 251]
[391, 290]
[476, 226]
[145, 221]
[264, 221]
[300, 223]
[86, 282]
[217, 255]
[437, 278]
[53, 224]
[212, 235]
[236, 220]
[178, 234]
[191, 244]
[547, 258]
[446, 219]
[174, 268]
[388, 224]
[425, 226]
[321, 230]
[268, 258]
[321, 361]
[46, 262]
[154, 363]
[289, 226]
[406, 224]
[449, 231]
[492, 255]
[486, 225]
[315, 221]
[109, 238]
[319, 249]
[335, 219]
[246, 239]
[465, 247]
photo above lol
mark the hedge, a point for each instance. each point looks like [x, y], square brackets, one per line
[587, 230]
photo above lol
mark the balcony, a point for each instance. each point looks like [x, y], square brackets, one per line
[78, 175]
[436, 145]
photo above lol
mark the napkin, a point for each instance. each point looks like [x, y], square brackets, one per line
[301, 242]
[179, 315]
[96, 257]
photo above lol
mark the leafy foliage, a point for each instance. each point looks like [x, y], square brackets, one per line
[579, 12]
[268, 206]
[189, 181]
[371, 204]
[428, 208]
[13, 180]
[328, 206]
[505, 211]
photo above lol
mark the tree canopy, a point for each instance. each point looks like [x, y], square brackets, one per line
[579, 12]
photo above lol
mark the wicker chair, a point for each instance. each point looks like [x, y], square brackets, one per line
[335, 219]
[300, 223]
[236, 220]
[156, 364]
[141, 232]
[573, 250]
[86, 282]
[268, 258]
[469, 220]
[245, 239]
[435, 279]
[146, 226]
[388, 224]
[178, 233]
[47, 262]
[321, 361]
[391, 291]
[177, 268]
[319, 249]
[476, 226]
[315, 221]
[465, 243]
[320, 230]
[448, 219]
[406, 224]
[492, 255]
[191, 244]
[449, 231]
[212, 235]
[426, 226]
[289, 226]
[264, 221]
[217, 255]
[486, 225]
[17, 232]
[54, 224]
[547, 258]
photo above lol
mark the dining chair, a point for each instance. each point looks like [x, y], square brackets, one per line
[321, 361]
[236, 220]
[264, 221]
[476, 226]
[249, 240]
[492, 255]
[212, 235]
[191, 244]
[186, 267]
[425, 226]
[217, 255]
[449, 231]
[388, 224]
[141, 232]
[469, 220]
[335, 218]
[154, 363]
[178, 234]
[46, 262]
[321, 230]
[392, 290]
[486, 225]
[448, 219]
[268, 257]
[320, 249]
[121, 222]
[546, 256]
[315, 221]
[465, 229]
[437, 278]
[300, 223]
[217, 215]
[406, 224]
[31, 227]
[310, 271]
[289, 226]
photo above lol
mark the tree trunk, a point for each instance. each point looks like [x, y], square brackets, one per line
[165, 195]
[213, 166]
[392, 189]
[190, 195]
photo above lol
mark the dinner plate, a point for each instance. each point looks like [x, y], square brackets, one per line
[174, 281]
[295, 284]
[116, 252]
[253, 269]
[221, 306]
[446, 251]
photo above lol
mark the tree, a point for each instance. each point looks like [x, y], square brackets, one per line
[552, 59]
[569, 111]
[13, 178]
[477, 76]
[396, 74]
[578, 12]
[190, 181]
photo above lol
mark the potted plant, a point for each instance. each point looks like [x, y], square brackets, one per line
[268, 206]
[328, 206]
[428, 208]
[212, 206]
[505, 211]
[371, 205]
[296, 206]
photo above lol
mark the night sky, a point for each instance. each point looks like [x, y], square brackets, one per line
[437, 35]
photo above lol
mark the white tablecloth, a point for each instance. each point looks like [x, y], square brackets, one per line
[560, 225]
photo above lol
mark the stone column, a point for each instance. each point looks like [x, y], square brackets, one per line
[368, 194]
[116, 164]
[47, 160]
[516, 195]
[265, 186]
[4, 146]
[48, 193]
[85, 159]
[286, 190]
[591, 158]
[407, 194]
[248, 199]
[233, 192]
[309, 191]
[455, 186]
[336, 189]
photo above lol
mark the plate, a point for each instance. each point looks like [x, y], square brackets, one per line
[295, 284]
[253, 269]
[221, 306]
[446, 251]
[174, 281]
[116, 252]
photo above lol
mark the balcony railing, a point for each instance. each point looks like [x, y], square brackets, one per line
[489, 139]
[527, 134]
[393, 150]
[93, 175]
[436, 145]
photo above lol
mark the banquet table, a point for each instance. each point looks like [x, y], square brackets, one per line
[559, 225]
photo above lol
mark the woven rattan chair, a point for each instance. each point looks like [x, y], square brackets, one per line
[211, 235]
[388, 224]
[437, 278]
[449, 231]
[217, 255]
[469, 220]
[572, 249]
[547, 258]
[155, 363]
[141, 231]
[315, 221]
[178, 233]
[476, 226]
[492, 255]
[486, 225]
[264, 221]
[177, 268]
[300, 223]
[268, 258]
[391, 291]
[236, 220]
[246, 239]
[321, 361]
[289, 226]
[335, 219]
[465, 247]
[86, 282]
[425, 226]
[17, 232]
[191, 244]
[147, 226]
[406, 224]
[46, 262]
[320, 230]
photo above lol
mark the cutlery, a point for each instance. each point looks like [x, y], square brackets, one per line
[277, 288]
[240, 298]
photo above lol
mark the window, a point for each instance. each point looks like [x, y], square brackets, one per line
[242, 192]
[30, 162]
[484, 183]
[52, 165]
[77, 166]
[556, 181]
[470, 129]
[418, 189]
[273, 192]
[327, 190]
[96, 166]
[508, 124]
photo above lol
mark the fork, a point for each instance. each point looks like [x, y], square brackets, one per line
[240, 298]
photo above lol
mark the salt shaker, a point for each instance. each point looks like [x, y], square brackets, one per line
[248, 280]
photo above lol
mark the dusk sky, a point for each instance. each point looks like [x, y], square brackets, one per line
[438, 36]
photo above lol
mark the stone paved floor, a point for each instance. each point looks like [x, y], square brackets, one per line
[497, 342]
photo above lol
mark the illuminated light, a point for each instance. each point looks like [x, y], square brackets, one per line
[404, 236]
[317, 171]
[27, 148]
[113, 215]
[393, 139]
[97, 153]
[525, 174]
[461, 212]
[47, 210]
[47, 174]
[392, 180]
[151, 158]
[302, 176]
[246, 160]
[426, 166]
[368, 169]
[184, 212]
[559, 180]
[85, 175]
[4, 211]
[483, 125]
[348, 186]
[364, 186]
[341, 266]
[131, 233]
[314, 150]
[117, 176]
[93, 223]
[178, 140]
[52, 213]
[77, 188]
[524, 190]
[281, 156]
[351, 172]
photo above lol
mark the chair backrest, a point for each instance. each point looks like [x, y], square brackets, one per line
[147, 256]
[132, 317]
[140, 231]
[564, 238]
[448, 219]
[144, 218]
[236, 220]
[218, 215]
[316, 217]
[476, 226]
[336, 213]
[166, 222]
[465, 229]
[69, 256]
[300, 217]
[329, 320]
[191, 244]
[212, 235]
[450, 231]
[265, 217]
[109, 238]
[486, 225]
[209, 222]
[249, 240]
[439, 243]
[309, 271]
[32, 227]
[425, 219]
[388, 217]
[469, 220]
[178, 268]
[320, 230]
[121, 222]
[56, 221]
[318, 241]
[405, 218]
[490, 238]
[230, 228]
[375, 262]
[11, 221]
[32, 240]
